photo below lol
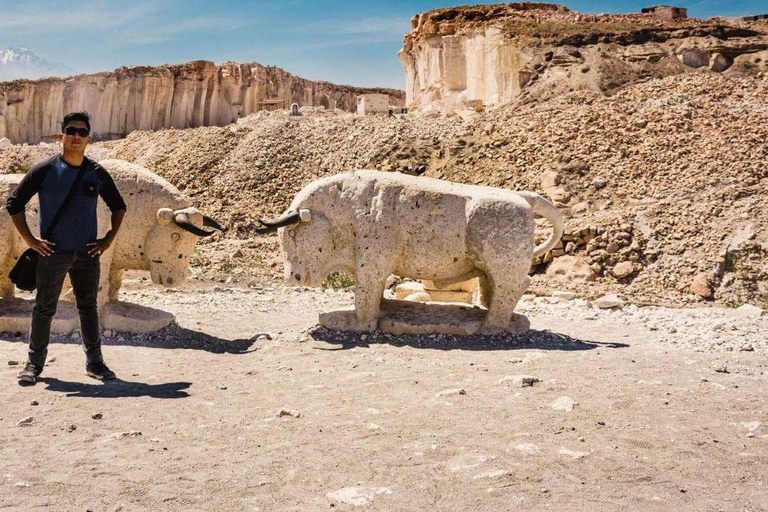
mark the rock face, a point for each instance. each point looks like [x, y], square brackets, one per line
[198, 93]
[493, 54]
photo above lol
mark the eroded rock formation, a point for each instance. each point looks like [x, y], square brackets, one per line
[494, 54]
[198, 93]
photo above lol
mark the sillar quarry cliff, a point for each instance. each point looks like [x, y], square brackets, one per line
[197, 93]
[493, 54]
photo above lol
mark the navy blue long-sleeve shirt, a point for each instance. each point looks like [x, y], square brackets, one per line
[51, 180]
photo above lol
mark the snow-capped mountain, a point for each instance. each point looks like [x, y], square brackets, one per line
[19, 62]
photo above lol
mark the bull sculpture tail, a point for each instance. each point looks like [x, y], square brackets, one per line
[547, 210]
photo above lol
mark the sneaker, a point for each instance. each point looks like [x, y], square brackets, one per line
[30, 373]
[99, 371]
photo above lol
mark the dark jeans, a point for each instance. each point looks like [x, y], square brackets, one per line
[84, 273]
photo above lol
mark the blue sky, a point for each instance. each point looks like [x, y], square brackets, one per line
[342, 41]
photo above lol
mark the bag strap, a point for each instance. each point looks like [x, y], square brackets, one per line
[66, 202]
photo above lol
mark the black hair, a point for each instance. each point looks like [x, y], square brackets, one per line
[81, 115]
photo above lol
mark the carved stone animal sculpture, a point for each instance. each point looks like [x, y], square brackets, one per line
[372, 224]
[158, 234]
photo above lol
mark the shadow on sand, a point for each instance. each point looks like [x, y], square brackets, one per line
[171, 337]
[117, 389]
[533, 339]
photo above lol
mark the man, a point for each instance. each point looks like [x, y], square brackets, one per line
[73, 247]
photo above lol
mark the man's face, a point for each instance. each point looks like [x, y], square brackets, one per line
[75, 143]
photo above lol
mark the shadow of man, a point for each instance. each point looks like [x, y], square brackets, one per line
[117, 389]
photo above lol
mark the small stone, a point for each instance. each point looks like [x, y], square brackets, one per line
[13, 363]
[108, 333]
[751, 435]
[97, 416]
[450, 392]
[519, 381]
[623, 269]
[71, 428]
[564, 403]
[608, 302]
[599, 183]
[288, 412]
[563, 296]
[573, 454]
[24, 421]
[720, 368]
[747, 348]
[34, 402]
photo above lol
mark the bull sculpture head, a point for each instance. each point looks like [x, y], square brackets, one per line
[312, 246]
[171, 241]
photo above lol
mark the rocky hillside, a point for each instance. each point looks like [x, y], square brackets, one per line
[663, 184]
[198, 93]
[493, 54]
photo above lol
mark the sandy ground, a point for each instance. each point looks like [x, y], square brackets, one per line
[214, 415]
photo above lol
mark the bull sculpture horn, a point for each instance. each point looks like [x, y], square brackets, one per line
[286, 219]
[210, 222]
[182, 220]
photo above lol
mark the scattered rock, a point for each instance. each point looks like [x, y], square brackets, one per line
[564, 403]
[71, 428]
[13, 363]
[702, 285]
[357, 496]
[519, 381]
[608, 302]
[24, 421]
[563, 296]
[720, 368]
[288, 412]
[97, 416]
[450, 392]
[129, 433]
[34, 402]
[623, 269]
[573, 454]
[570, 268]
[529, 448]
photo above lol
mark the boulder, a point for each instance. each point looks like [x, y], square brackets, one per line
[702, 285]
[623, 269]
[571, 268]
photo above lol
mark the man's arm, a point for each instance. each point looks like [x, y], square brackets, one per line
[17, 202]
[109, 193]
[42, 247]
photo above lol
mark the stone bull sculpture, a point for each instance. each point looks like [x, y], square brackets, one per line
[159, 232]
[372, 224]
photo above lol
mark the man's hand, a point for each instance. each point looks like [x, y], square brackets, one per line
[101, 245]
[42, 247]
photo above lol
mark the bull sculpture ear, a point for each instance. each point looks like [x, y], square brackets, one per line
[305, 215]
[164, 216]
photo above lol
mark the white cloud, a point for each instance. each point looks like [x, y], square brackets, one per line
[382, 26]
[90, 18]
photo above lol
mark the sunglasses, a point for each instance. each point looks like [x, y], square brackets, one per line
[71, 130]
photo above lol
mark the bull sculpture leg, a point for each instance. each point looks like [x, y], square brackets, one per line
[508, 281]
[115, 282]
[369, 288]
[7, 290]
[104, 275]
